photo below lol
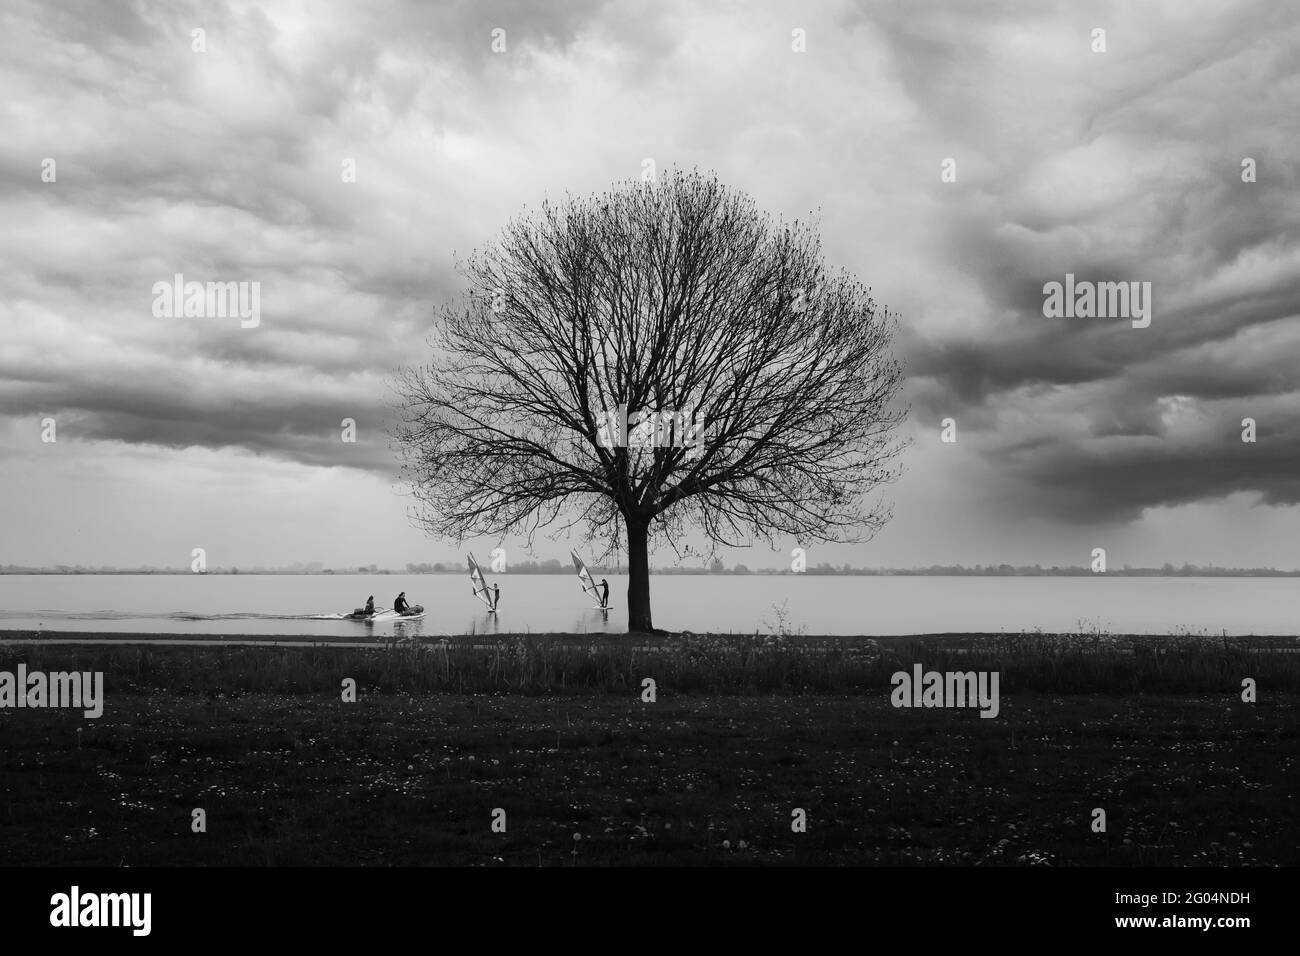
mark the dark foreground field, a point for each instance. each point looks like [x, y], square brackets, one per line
[587, 773]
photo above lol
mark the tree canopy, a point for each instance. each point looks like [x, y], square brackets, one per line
[764, 384]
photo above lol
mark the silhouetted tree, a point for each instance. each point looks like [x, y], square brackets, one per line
[672, 297]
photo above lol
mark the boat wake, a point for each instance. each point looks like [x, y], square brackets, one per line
[169, 616]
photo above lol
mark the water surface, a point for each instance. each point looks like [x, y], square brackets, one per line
[310, 604]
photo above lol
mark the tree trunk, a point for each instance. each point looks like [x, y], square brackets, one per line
[638, 576]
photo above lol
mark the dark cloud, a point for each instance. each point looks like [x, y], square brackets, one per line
[305, 430]
[226, 166]
[1075, 485]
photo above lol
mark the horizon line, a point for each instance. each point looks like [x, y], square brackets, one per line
[740, 569]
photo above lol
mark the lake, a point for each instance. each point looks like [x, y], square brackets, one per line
[301, 604]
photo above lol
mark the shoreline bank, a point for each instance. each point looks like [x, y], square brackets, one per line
[12, 636]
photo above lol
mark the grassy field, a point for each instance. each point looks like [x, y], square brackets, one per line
[553, 731]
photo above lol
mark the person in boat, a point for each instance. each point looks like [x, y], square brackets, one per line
[370, 605]
[604, 593]
[400, 604]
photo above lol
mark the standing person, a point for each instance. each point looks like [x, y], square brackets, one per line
[400, 604]
[496, 596]
[604, 596]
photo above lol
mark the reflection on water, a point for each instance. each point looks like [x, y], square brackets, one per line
[408, 628]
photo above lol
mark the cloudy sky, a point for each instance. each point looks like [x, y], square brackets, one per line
[226, 164]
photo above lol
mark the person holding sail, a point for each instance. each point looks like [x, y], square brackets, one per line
[482, 590]
[492, 592]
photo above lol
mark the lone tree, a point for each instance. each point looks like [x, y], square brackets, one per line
[756, 387]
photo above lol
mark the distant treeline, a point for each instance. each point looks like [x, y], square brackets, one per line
[553, 566]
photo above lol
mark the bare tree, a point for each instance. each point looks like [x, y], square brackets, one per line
[676, 303]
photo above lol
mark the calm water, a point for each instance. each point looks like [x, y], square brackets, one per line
[303, 604]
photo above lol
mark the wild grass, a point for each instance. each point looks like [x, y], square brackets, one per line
[1077, 663]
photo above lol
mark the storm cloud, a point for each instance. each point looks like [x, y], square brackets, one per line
[228, 165]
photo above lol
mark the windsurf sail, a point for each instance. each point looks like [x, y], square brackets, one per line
[587, 583]
[480, 585]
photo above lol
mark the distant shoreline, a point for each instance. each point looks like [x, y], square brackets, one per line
[691, 572]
